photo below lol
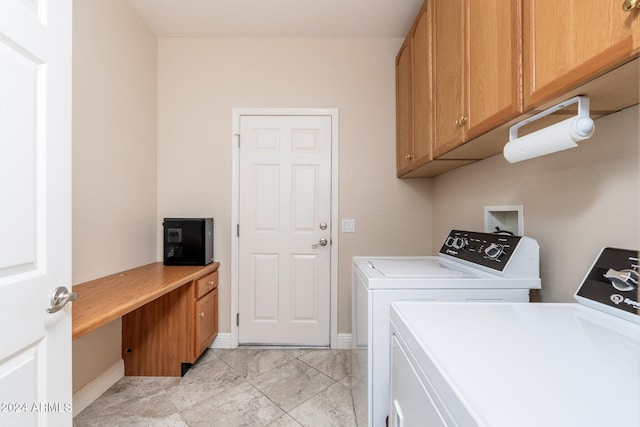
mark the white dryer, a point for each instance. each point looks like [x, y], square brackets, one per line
[470, 267]
[527, 365]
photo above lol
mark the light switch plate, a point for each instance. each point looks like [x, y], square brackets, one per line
[348, 225]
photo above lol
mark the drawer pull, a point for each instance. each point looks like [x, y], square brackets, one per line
[201, 314]
[211, 283]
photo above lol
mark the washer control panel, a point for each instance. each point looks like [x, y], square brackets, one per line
[486, 249]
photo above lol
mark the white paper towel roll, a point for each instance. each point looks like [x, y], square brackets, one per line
[557, 137]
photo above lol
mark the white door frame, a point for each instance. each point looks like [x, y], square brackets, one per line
[235, 196]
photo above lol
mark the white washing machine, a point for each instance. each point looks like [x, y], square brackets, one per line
[470, 267]
[527, 365]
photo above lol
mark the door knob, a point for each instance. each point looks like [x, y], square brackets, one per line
[629, 5]
[61, 296]
[322, 242]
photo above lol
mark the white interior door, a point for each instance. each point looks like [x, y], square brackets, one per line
[284, 258]
[35, 211]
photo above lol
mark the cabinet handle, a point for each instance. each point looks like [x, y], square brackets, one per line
[629, 5]
[201, 314]
[462, 120]
[409, 156]
[211, 283]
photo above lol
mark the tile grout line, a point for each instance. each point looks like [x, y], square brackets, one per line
[247, 380]
[329, 363]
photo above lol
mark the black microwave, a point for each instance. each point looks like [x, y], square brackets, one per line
[188, 241]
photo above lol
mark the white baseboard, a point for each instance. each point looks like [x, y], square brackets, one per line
[87, 394]
[223, 340]
[344, 342]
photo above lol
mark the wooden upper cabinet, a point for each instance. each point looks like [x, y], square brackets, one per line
[414, 96]
[448, 22]
[569, 42]
[493, 77]
[469, 69]
[422, 89]
[404, 108]
[477, 68]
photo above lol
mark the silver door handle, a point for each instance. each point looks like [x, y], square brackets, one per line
[322, 242]
[61, 296]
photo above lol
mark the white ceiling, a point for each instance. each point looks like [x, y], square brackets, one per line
[278, 18]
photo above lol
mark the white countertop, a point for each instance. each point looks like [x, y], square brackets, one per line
[518, 364]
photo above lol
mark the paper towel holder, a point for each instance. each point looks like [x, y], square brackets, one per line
[583, 125]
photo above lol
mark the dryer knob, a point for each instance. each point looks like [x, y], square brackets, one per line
[624, 280]
[494, 250]
[460, 243]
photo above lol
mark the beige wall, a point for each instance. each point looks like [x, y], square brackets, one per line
[201, 80]
[114, 158]
[575, 201]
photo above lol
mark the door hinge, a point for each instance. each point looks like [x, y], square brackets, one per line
[238, 230]
[237, 319]
[238, 135]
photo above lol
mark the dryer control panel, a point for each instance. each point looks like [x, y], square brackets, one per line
[486, 249]
[611, 285]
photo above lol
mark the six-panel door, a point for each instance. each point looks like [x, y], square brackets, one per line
[285, 212]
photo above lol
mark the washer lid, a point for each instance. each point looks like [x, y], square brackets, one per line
[399, 267]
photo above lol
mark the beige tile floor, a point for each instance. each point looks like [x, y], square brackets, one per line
[239, 387]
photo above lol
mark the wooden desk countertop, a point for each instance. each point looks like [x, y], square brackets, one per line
[103, 300]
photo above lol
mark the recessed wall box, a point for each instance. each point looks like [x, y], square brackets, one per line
[509, 219]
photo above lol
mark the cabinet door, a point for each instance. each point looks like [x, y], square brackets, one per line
[422, 89]
[493, 75]
[448, 74]
[567, 43]
[206, 321]
[404, 108]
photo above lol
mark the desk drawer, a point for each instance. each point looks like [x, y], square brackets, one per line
[206, 284]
